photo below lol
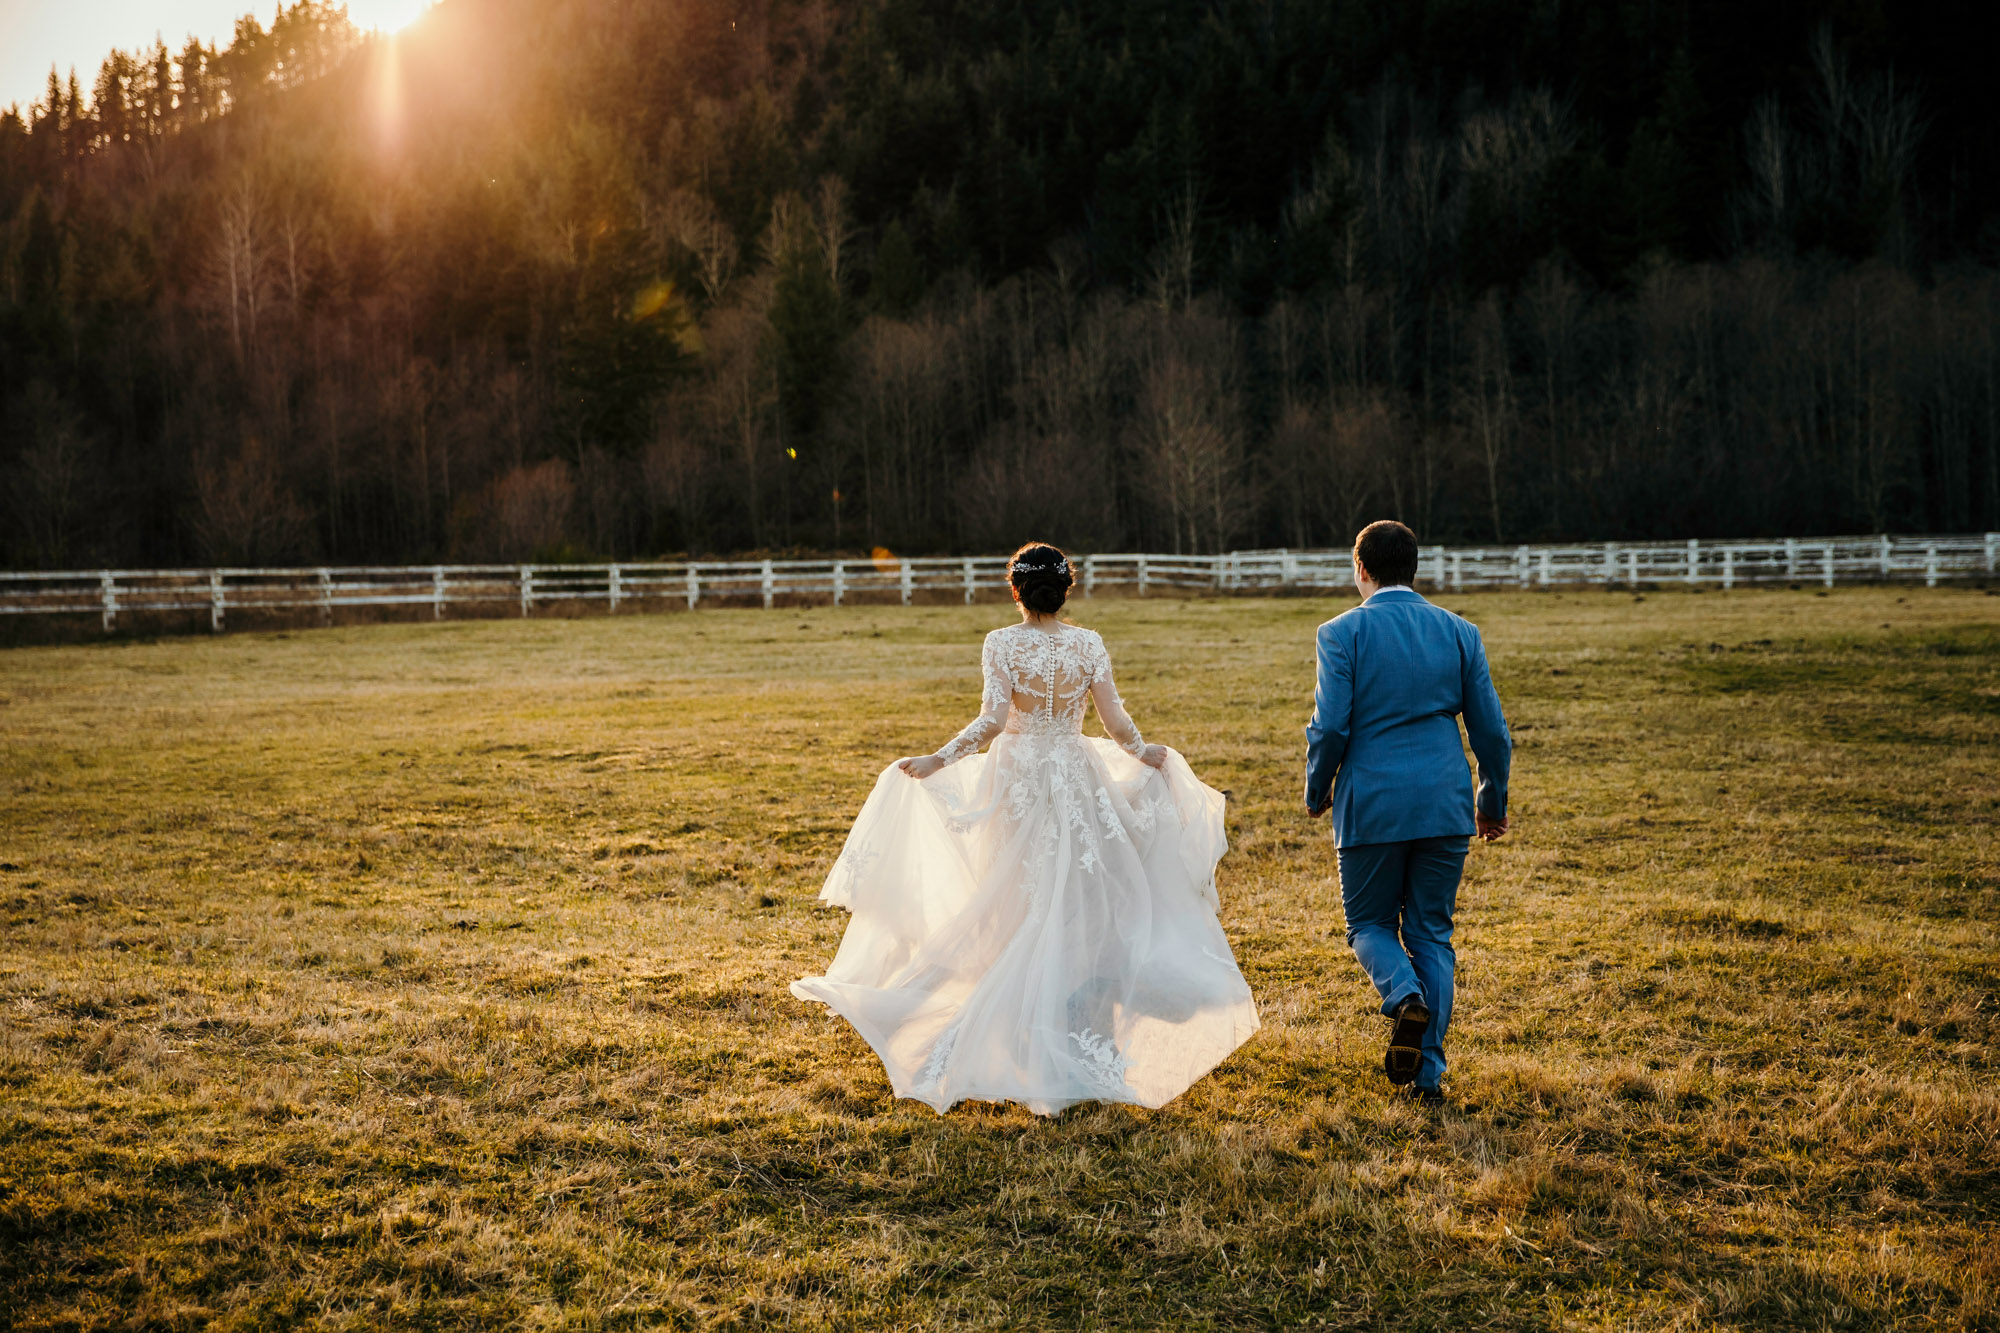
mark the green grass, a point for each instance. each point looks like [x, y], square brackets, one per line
[434, 976]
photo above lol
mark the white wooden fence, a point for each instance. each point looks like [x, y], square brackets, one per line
[218, 592]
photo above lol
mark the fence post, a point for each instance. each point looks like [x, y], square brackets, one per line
[693, 588]
[1458, 571]
[325, 597]
[527, 588]
[1142, 566]
[839, 581]
[1610, 563]
[1632, 568]
[1437, 567]
[1992, 549]
[903, 579]
[616, 589]
[215, 600]
[1090, 576]
[437, 592]
[1791, 557]
[1885, 555]
[1694, 560]
[764, 584]
[1930, 565]
[1728, 567]
[1826, 563]
[1521, 566]
[968, 580]
[1544, 573]
[109, 587]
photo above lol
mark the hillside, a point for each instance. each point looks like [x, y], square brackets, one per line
[546, 277]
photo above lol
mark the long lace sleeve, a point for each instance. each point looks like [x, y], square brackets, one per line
[1111, 709]
[996, 698]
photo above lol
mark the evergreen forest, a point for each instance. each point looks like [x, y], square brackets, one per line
[556, 279]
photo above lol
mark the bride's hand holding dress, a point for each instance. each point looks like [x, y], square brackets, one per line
[921, 766]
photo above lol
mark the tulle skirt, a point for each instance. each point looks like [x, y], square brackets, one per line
[1037, 924]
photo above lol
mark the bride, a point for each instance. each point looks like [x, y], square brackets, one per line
[1038, 923]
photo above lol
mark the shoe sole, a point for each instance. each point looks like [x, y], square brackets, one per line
[1406, 1045]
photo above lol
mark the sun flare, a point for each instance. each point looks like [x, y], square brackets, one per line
[386, 15]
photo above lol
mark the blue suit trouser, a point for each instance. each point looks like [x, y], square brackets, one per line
[1399, 898]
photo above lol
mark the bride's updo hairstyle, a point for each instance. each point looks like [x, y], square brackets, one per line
[1041, 577]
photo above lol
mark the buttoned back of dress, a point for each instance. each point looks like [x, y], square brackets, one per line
[1046, 673]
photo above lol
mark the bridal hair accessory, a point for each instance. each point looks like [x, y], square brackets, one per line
[1058, 565]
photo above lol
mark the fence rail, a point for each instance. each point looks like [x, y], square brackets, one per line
[108, 593]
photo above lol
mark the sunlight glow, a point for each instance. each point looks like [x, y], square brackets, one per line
[386, 15]
[387, 97]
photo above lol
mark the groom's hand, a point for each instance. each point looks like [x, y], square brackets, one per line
[1315, 811]
[1489, 829]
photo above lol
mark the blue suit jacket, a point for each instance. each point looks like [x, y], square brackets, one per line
[1395, 674]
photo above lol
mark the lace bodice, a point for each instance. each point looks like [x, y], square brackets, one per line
[1036, 681]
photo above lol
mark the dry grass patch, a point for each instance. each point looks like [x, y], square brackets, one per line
[433, 975]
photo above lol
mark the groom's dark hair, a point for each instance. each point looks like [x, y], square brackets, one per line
[1388, 551]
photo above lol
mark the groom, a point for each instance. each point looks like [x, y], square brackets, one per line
[1382, 752]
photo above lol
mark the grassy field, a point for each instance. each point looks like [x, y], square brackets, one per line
[433, 976]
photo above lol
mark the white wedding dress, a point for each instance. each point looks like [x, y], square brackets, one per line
[1037, 924]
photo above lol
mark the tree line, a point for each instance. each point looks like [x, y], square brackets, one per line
[553, 278]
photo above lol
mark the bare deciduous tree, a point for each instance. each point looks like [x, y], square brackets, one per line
[690, 221]
[674, 474]
[525, 512]
[241, 275]
[741, 402]
[1553, 303]
[1174, 258]
[1489, 399]
[832, 227]
[901, 384]
[245, 513]
[1767, 151]
[1188, 424]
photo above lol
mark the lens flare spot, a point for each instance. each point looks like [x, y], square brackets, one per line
[652, 299]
